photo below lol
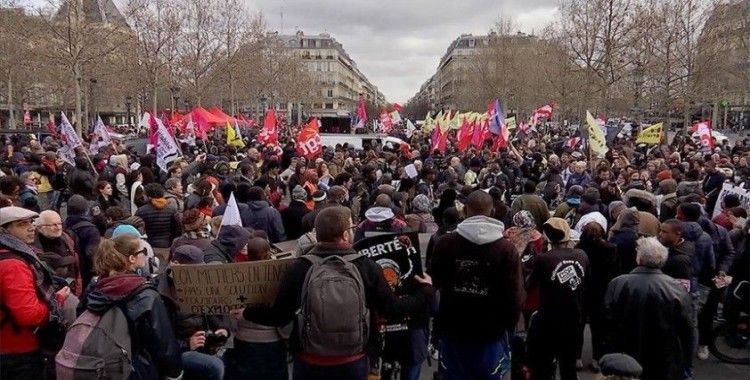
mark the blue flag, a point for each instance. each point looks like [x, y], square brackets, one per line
[496, 115]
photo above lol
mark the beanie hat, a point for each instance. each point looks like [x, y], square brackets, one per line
[77, 205]
[664, 174]
[319, 196]
[126, 229]
[299, 194]
[421, 203]
[188, 254]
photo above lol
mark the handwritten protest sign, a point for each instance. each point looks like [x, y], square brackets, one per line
[217, 289]
[727, 189]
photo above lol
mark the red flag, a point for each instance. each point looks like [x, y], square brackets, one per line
[270, 133]
[481, 134]
[165, 121]
[385, 119]
[397, 107]
[439, 140]
[27, 118]
[153, 128]
[465, 135]
[543, 112]
[703, 129]
[361, 113]
[308, 140]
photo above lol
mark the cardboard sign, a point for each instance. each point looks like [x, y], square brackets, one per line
[217, 289]
[398, 254]
[728, 188]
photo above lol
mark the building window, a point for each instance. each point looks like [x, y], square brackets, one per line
[329, 106]
[330, 93]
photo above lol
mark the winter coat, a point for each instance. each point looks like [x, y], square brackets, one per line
[261, 216]
[679, 264]
[561, 275]
[156, 353]
[604, 262]
[291, 217]
[161, 222]
[723, 247]
[534, 204]
[82, 182]
[379, 296]
[244, 212]
[87, 238]
[23, 310]
[231, 239]
[478, 273]
[649, 316]
[704, 260]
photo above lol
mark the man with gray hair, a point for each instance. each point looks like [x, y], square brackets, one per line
[649, 316]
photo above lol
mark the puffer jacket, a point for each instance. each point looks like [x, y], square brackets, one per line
[156, 353]
[261, 216]
[161, 222]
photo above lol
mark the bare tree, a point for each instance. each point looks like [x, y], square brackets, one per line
[200, 48]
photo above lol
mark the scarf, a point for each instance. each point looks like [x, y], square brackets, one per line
[195, 235]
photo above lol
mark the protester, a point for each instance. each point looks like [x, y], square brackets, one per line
[29, 297]
[51, 238]
[230, 240]
[154, 347]
[340, 358]
[557, 328]
[531, 202]
[480, 298]
[161, 220]
[649, 316]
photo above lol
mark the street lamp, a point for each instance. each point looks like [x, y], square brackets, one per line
[128, 103]
[93, 109]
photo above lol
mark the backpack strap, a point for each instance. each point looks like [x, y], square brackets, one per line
[351, 257]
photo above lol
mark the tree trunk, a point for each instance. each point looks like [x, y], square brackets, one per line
[79, 95]
[11, 114]
[155, 100]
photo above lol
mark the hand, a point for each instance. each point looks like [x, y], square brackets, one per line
[222, 332]
[63, 293]
[237, 314]
[197, 340]
[423, 279]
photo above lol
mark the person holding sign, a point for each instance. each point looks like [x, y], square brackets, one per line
[320, 353]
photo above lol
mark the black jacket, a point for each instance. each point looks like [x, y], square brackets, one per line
[292, 219]
[82, 182]
[561, 275]
[604, 265]
[155, 350]
[481, 288]
[649, 317]
[380, 297]
[161, 223]
[679, 264]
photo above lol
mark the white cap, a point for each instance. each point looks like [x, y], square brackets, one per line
[13, 213]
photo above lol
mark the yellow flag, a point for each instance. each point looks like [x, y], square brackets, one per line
[232, 138]
[596, 137]
[428, 124]
[651, 135]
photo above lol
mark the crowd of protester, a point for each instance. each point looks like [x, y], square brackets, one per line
[538, 237]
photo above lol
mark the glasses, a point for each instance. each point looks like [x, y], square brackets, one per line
[144, 251]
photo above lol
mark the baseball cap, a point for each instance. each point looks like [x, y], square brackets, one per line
[12, 214]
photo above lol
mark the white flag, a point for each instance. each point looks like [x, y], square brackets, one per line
[395, 117]
[231, 213]
[167, 149]
[410, 128]
[70, 140]
[101, 136]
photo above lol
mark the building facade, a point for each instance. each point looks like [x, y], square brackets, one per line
[338, 81]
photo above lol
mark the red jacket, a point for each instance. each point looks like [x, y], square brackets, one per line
[18, 296]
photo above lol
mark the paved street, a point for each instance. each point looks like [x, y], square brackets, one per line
[711, 369]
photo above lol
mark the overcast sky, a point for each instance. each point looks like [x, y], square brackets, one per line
[397, 44]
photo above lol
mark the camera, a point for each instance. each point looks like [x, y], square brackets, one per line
[214, 343]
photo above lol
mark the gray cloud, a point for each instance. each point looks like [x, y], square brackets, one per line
[397, 44]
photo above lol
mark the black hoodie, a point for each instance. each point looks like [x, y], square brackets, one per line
[156, 353]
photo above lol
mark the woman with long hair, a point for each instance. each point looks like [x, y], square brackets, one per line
[105, 195]
[155, 351]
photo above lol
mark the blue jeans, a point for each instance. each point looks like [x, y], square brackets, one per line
[356, 370]
[200, 366]
[480, 361]
[411, 372]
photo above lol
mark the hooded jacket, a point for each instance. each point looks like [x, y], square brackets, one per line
[723, 247]
[156, 353]
[161, 222]
[379, 219]
[624, 234]
[230, 240]
[479, 277]
[261, 216]
[87, 238]
[704, 259]
[23, 309]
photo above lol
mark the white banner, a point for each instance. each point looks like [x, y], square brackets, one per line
[101, 136]
[166, 149]
[70, 140]
[728, 188]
